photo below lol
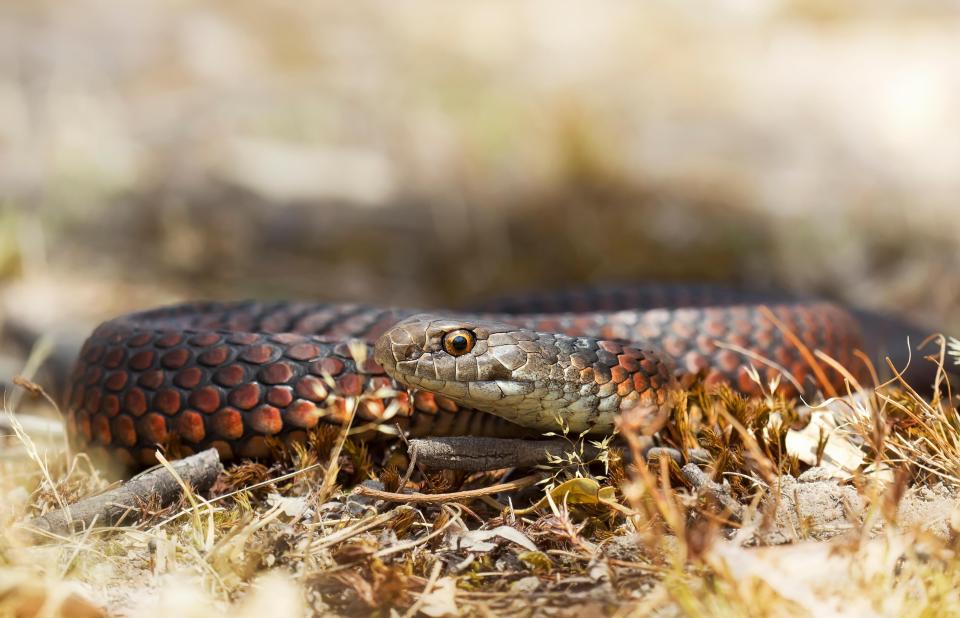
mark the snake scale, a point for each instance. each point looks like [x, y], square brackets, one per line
[235, 376]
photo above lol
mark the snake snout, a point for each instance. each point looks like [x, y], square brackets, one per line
[396, 346]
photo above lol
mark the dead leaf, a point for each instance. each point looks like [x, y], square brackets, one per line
[442, 600]
[578, 491]
[477, 540]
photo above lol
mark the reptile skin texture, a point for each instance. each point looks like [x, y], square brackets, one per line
[237, 376]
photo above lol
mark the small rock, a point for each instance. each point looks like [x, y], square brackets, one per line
[526, 584]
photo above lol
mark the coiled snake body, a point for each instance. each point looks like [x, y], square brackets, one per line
[236, 375]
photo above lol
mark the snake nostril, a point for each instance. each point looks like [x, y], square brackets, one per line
[404, 342]
[393, 352]
[404, 351]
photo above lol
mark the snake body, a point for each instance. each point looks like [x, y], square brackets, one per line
[237, 375]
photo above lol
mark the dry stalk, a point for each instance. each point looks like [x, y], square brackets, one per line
[469, 494]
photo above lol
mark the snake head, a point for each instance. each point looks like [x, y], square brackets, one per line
[530, 378]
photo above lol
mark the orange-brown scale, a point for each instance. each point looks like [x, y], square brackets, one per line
[229, 375]
[710, 331]
[211, 389]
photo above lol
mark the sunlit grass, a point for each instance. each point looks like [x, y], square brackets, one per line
[639, 535]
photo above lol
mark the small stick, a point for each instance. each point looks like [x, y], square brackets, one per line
[36, 426]
[475, 454]
[368, 524]
[114, 507]
[457, 495]
[696, 455]
[712, 490]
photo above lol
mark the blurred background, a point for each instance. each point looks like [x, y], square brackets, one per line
[436, 153]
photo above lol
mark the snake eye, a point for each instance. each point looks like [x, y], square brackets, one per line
[459, 342]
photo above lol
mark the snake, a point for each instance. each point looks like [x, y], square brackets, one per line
[244, 376]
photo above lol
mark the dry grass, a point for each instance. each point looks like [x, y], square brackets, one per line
[600, 537]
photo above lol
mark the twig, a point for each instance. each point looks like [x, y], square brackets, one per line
[113, 507]
[696, 455]
[369, 524]
[469, 494]
[477, 454]
[402, 547]
[410, 467]
[39, 354]
[241, 490]
[712, 490]
[36, 426]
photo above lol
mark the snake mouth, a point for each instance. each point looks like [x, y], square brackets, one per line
[475, 393]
